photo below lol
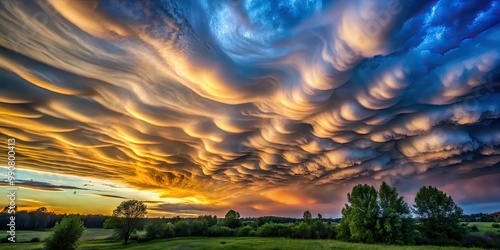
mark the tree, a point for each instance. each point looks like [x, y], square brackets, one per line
[65, 234]
[127, 218]
[307, 217]
[318, 228]
[359, 219]
[182, 228]
[439, 217]
[198, 226]
[232, 219]
[395, 224]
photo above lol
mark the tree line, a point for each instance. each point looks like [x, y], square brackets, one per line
[372, 215]
[42, 218]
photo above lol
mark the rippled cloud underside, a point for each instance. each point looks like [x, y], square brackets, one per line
[269, 107]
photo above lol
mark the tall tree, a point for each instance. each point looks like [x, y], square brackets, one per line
[359, 219]
[232, 219]
[439, 216]
[307, 217]
[395, 225]
[127, 218]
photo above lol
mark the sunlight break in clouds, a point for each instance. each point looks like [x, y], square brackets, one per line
[265, 107]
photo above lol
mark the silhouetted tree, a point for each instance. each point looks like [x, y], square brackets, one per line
[127, 218]
[232, 219]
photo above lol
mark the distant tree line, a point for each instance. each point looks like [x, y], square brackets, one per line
[479, 217]
[41, 219]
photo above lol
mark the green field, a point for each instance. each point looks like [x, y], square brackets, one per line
[484, 227]
[206, 243]
[96, 239]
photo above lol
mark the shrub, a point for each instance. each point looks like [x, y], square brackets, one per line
[65, 234]
[219, 231]
[168, 230]
[143, 239]
[198, 227]
[495, 225]
[182, 228]
[36, 239]
[474, 228]
[419, 241]
[154, 229]
[244, 231]
[302, 231]
[488, 240]
[274, 230]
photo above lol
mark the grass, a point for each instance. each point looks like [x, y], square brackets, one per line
[243, 243]
[96, 239]
[484, 227]
[88, 234]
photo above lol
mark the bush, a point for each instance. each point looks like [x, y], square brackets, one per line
[182, 228]
[143, 239]
[495, 225]
[154, 229]
[488, 240]
[474, 228]
[65, 234]
[302, 231]
[198, 227]
[419, 241]
[168, 230]
[244, 231]
[36, 239]
[219, 231]
[274, 230]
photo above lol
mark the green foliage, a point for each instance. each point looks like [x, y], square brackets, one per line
[274, 230]
[495, 225]
[474, 228]
[65, 234]
[244, 231]
[232, 219]
[439, 217]
[360, 218]
[376, 216]
[198, 227]
[211, 220]
[160, 229]
[307, 217]
[302, 231]
[127, 218]
[395, 225]
[182, 228]
[220, 231]
[154, 229]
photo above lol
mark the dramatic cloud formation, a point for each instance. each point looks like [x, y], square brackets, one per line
[269, 107]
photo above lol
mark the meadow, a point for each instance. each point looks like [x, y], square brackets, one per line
[224, 243]
[96, 239]
[484, 227]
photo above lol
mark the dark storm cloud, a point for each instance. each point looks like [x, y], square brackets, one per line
[218, 102]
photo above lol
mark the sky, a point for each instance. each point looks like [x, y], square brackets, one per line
[266, 107]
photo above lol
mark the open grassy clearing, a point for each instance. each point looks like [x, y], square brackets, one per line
[484, 227]
[207, 243]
